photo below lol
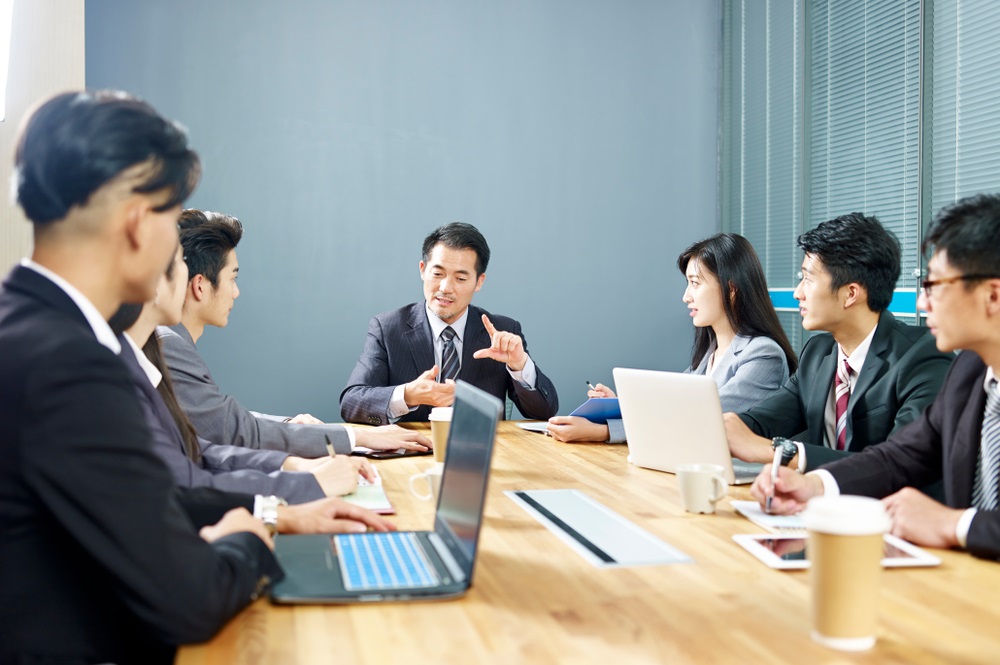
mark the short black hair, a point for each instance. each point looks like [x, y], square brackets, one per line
[77, 142]
[459, 235]
[208, 237]
[968, 231]
[857, 248]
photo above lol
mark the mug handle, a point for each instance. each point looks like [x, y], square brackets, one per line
[413, 489]
[722, 488]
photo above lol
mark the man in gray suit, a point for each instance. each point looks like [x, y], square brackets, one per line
[868, 376]
[209, 241]
[413, 354]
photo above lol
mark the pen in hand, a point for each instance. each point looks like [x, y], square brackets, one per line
[591, 386]
[329, 446]
[775, 465]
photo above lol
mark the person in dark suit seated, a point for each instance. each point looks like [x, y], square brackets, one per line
[100, 562]
[738, 340]
[413, 354]
[957, 439]
[210, 241]
[866, 377]
[196, 462]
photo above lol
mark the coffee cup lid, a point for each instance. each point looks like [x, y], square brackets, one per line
[440, 413]
[846, 515]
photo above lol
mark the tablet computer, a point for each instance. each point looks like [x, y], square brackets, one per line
[788, 551]
[389, 454]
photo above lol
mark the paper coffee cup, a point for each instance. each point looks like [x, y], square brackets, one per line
[427, 484]
[440, 424]
[702, 485]
[845, 554]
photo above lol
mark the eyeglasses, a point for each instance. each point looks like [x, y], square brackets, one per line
[928, 284]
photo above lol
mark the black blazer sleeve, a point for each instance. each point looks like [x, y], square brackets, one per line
[206, 505]
[91, 466]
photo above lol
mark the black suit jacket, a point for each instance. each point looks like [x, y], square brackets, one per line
[902, 373]
[98, 561]
[943, 444]
[399, 348]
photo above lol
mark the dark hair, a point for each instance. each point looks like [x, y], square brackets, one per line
[733, 261]
[968, 231]
[122, 320]
[458, 235]
[154, 351]
[208, 237]
[857, 248]
[77, 142]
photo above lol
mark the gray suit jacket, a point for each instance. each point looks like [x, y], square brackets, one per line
[221, 419]
[903, 371]
[224, 467]
[750, 370]
[399, 348]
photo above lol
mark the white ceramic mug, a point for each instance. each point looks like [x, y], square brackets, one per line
[432, 478]
[702, 485]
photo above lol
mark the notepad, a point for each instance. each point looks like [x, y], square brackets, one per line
[773, 523]
[371, 495]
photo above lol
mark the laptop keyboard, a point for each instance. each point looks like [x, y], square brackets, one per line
[371, 561]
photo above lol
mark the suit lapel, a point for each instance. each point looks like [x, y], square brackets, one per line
[31, 283]
[816, 406]
[965, 451]
[476, 338]
[872, 369]
[418, 338]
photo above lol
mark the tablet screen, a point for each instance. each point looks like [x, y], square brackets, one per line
[789, 551]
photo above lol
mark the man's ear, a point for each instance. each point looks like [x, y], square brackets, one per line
[134, 211]
[421, 265]
[993, 297]
[198, 287]
[479, 281]
[855, 295]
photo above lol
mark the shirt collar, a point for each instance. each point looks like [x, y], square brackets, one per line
[154, 375]
[989, 384]
[857, 359]
[438, 326]
[97, 323]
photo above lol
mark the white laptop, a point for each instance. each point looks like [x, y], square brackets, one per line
[672, 418]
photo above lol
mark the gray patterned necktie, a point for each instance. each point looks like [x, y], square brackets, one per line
[984, 487]
[450, 363]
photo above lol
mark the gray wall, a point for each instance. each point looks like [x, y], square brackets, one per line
[579, 135]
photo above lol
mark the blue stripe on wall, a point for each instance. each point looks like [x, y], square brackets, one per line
[904, 302]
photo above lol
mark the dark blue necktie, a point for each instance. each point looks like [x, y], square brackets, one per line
[449, 356]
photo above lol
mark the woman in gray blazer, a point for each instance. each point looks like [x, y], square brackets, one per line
[738, 339]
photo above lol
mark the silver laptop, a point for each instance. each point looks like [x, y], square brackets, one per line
[672, 418]
[410, 565]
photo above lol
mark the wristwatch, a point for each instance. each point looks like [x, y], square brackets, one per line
[269, 512]
[788, 449]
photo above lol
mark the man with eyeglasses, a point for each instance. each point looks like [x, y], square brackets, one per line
[957, 439]
[867, 376]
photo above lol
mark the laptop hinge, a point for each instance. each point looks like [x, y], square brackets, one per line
[446, 556]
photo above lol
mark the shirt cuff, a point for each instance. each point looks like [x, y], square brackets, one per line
[801, 467]
[258, 509]
[351, 436]
[397, 405]
[963, 526]
[527, 376]
[830, 486]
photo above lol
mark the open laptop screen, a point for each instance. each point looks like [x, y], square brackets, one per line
[463, 486]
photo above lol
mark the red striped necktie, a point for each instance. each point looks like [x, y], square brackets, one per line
[842, 390]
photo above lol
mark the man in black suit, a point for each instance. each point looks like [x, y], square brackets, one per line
[99, 562]
[957, 439]
[413, 354]
[866, 377]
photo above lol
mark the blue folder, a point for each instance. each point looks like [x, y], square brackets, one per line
[599, 409]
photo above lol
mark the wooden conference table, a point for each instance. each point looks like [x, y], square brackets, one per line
[534, 600]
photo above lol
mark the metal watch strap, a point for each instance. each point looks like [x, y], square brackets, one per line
[269, 512]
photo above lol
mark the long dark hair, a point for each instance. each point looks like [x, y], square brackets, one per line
[122, 320]
[733, 261]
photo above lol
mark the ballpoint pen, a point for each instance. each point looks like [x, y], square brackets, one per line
[589, 385]
[329, 446]
[775, 465]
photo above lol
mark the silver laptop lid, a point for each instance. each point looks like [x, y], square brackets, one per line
[672, 418]
[466, 472]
